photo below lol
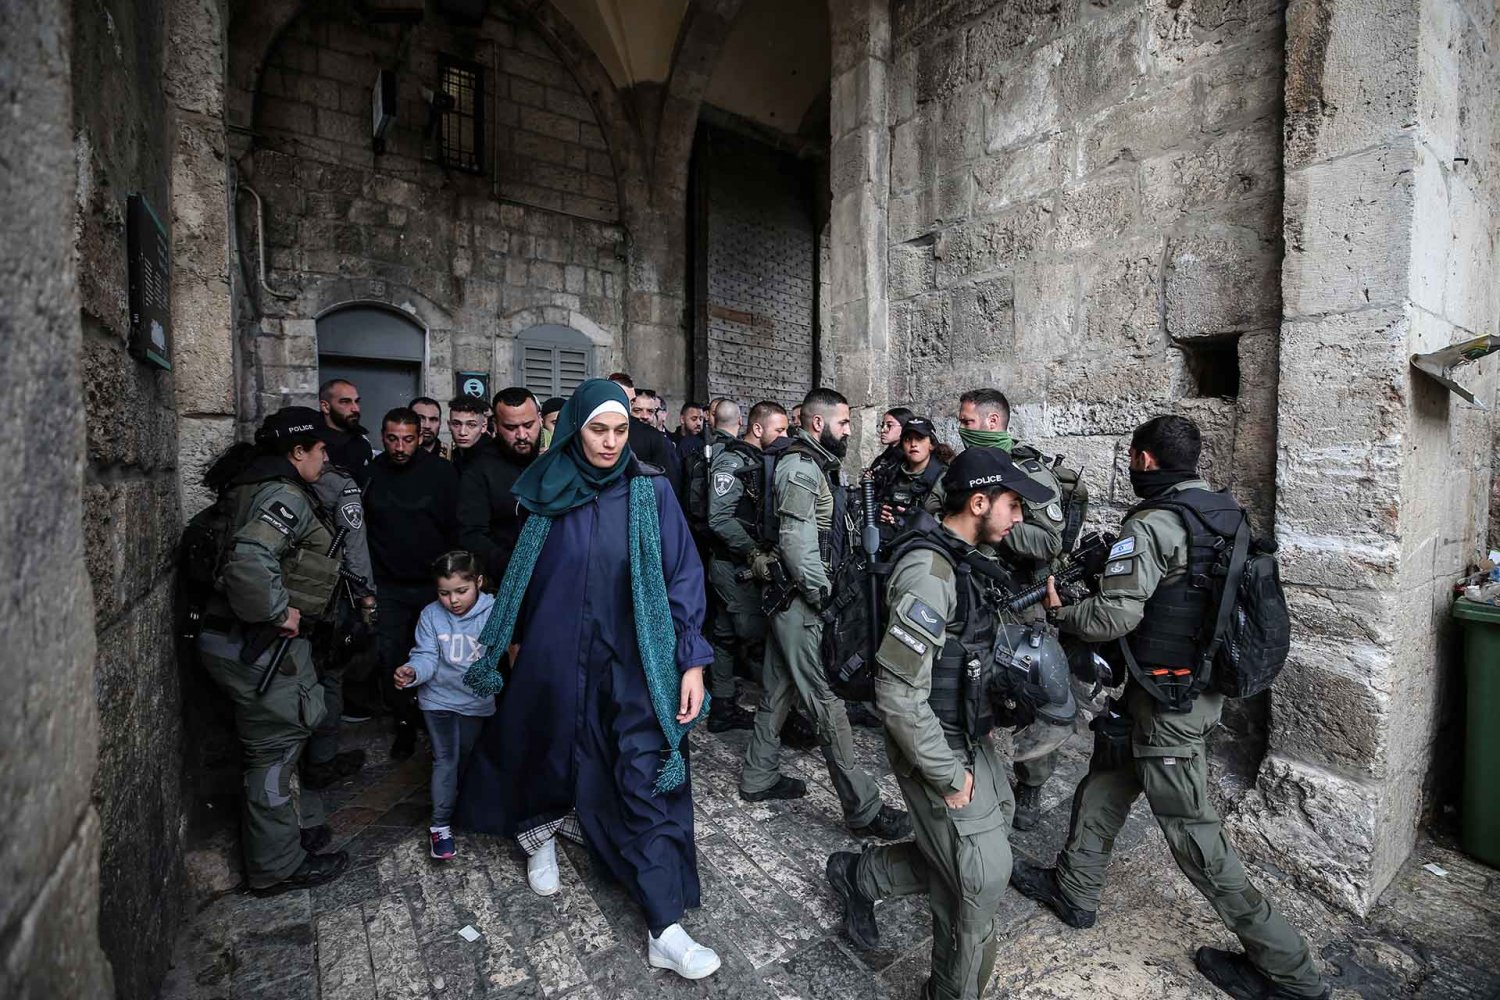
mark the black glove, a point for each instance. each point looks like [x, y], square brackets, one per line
[1111, 740]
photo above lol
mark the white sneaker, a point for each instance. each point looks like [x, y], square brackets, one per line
[676, 950]
[541, 870]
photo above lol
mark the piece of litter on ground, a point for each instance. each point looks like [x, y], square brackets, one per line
[468, 933]
[438, 982]
[1436, 868]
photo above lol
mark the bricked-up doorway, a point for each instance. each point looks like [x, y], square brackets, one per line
[754, 266]
[378, 349]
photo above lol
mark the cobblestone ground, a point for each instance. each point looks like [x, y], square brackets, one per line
[389, 928]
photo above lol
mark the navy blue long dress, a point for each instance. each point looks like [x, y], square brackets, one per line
[575, 727]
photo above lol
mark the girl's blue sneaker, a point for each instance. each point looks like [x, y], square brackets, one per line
[442, 845]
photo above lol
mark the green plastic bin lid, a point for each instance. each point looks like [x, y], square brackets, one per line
[1476, 612]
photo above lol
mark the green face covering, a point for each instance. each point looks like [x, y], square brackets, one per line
[986, 439]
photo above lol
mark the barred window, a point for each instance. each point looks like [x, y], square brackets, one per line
[461, 135]
[553, 360]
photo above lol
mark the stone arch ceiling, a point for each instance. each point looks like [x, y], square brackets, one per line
[774, 64]
[634, 39]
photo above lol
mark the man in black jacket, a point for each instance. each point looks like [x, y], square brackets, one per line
[489, 519]
[649, 444]
[467, 419]
[348, 448]
[412, 519]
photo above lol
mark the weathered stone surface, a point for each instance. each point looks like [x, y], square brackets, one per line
[1221, 282]
[49, 854]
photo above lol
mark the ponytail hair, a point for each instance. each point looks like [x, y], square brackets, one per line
[459, 562]
[942, 452]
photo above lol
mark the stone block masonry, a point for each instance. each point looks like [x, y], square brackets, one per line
[1077, 207]
[474, 258]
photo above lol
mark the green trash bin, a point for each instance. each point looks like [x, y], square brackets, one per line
[1481, 833]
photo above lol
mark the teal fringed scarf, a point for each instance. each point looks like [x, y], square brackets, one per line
[656, 636]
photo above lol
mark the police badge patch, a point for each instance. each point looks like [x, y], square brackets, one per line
[354, 514]
[722, 482]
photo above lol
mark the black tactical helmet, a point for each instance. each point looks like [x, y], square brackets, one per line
[1031, 679]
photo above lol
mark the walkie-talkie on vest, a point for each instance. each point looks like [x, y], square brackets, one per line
[284, 642]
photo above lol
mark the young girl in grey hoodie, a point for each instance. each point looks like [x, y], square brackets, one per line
[447, 642]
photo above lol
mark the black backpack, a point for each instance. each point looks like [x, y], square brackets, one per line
[1247, 628]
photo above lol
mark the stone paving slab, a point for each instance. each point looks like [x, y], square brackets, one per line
[388, 929]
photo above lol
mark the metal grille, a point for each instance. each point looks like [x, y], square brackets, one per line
[461, 138]
[553, 371]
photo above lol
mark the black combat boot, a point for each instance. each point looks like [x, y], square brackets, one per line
[315, 838]
[888, 824]
[725, 715]
[1041, 885]
[785, 788]
[316, 869]
[342, 766]
[859, 909]
[1233, 973]
[1028, 807]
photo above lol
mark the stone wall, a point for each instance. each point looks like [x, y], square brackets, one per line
[131, 514]
[1085, 212]
[49, 851]
[760, 256]
[474, 258]
[1391, 220]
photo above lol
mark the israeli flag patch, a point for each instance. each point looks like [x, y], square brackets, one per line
[1124, 547]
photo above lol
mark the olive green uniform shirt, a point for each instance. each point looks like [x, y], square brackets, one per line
[1152, 547]
[804, 504]
[922, 595]
[273, 519]
[725, 488]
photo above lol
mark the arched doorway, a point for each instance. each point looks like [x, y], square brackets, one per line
[378, 349]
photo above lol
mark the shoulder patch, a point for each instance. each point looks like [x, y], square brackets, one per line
[723, 481]
[1117, 568]
[1124, 547]
[1031, 465]
[284, 512]
[805, 479]
[926, 617]
[354, 514]
[352, 490]
[1054, 511]
[267, 517]
[895, 631]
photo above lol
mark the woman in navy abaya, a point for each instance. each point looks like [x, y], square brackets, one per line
[604, 601]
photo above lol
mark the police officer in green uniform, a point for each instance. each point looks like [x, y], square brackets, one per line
[809, 498]
[954, 784]
[275, 576]
[733, 523]
[1034, 545]
[1145, 601]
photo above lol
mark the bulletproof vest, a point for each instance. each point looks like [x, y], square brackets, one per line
[308, 573]
[1073, 496]
[1175, 623]
[752, 477]
[833, 538]
[962, 668]
[909, 491]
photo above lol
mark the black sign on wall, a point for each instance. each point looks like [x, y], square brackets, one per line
[473, 384]
[149, 256]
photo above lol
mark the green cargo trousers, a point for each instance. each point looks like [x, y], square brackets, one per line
[961, 859]
[1170, 766]
[273, 730]
[738, 626]
[793, 667]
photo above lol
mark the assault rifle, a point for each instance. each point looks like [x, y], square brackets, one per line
[262, 638]
[1084, 562]
[777, 593]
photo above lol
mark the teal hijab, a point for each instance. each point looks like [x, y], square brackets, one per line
[562, 478]
[554, 484]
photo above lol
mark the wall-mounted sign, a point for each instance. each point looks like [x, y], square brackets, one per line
[473, 384]
[149, 262]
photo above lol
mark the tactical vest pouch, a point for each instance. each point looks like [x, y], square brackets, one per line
[310, 578]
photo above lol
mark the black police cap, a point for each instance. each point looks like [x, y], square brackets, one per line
[553, 405]
[979, 468]
[290, 421]
[918, 427]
